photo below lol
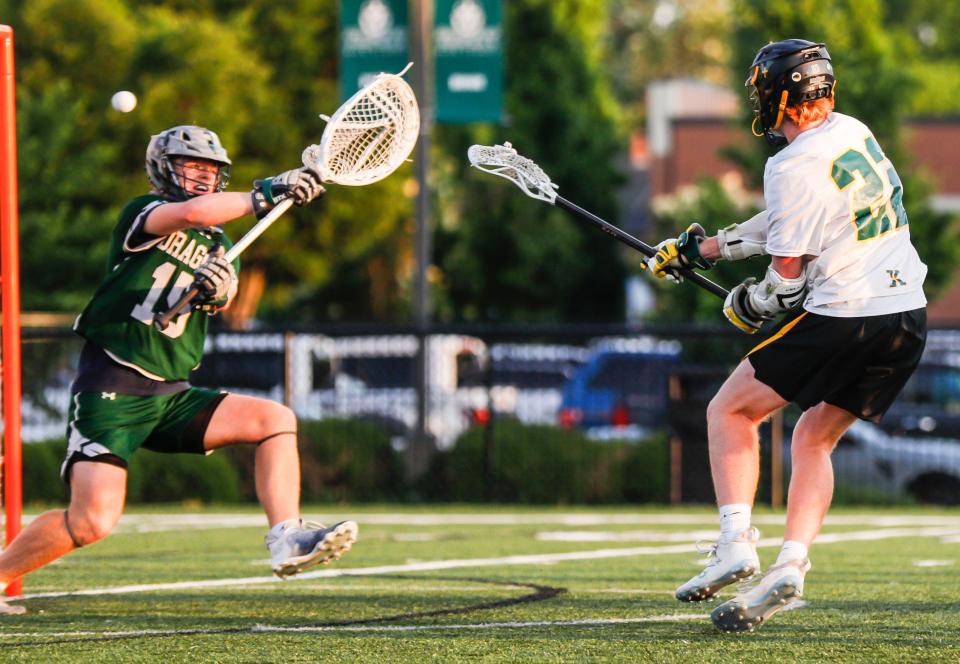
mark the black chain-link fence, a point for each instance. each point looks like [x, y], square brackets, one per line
[593, 385]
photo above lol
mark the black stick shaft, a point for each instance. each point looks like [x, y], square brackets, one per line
[636, 244]
[182, 306]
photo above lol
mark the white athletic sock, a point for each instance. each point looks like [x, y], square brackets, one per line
[791, 550]
[734, 519]
[280, 527]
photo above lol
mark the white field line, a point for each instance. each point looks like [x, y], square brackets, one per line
[676, 617]
[590, 622]
[530, 559]
[933, 563]
[623, 591]
[625, 536]
[140, 523]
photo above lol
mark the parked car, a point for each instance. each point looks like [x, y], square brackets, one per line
[375, 377]
[927, 469]
[622, 385]
[525, 379]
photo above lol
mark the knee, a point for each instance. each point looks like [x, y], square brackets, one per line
[85, 528]
[721, 408]
[273, 418]
[810, 442]
[715, 409]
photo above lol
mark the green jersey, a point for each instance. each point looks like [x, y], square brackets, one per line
[147, 274]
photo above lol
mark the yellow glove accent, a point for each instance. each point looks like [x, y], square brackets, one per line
[739, 322]
[660, 263]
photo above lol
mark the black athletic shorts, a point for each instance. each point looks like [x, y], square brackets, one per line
[858, 364]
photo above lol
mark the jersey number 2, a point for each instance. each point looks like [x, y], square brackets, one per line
[144, 312]
[874, 213]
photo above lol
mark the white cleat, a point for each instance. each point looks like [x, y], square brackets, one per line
[728, 562]
[780, 587]
[297, 548]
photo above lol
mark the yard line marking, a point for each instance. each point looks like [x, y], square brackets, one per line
[258, 629]
[144, 523]
[933, 563]
[625, 536]
[622, 591]
[529, 559]
[587, 622]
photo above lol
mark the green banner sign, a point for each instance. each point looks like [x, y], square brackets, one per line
[468, 40]
[373, 39]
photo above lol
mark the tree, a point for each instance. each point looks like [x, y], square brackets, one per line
[216, 63]
[502, 256]
[664, 39]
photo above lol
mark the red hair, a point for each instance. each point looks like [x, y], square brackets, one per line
[810, 112]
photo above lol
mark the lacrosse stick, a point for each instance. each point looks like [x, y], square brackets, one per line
[366, 140]
[506, 162]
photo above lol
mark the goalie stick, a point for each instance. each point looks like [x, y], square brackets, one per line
[366, 140]
[506, 162]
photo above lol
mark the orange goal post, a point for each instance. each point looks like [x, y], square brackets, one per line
[10, 461]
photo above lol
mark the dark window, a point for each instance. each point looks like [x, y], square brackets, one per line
[380, 371]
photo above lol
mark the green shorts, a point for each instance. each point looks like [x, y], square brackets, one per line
[109, 427]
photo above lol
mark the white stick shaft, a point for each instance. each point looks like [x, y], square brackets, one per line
[258, 230]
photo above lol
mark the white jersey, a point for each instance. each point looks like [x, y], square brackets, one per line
[833, 194]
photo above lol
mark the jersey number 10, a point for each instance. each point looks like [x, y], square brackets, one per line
[874, 212]
[144, 312]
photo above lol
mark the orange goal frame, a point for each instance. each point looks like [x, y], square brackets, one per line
[10, 461]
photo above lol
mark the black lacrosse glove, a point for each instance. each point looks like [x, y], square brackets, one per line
[300, 184]
[217, 280]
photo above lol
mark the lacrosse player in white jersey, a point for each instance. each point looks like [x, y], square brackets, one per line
[844, 272]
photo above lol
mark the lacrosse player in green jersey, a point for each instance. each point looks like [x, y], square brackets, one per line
[131, 389]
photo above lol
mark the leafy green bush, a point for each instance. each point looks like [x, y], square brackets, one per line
[348, 460]
[152, 477]
[41, 472]
[158, 478]
[543, 464]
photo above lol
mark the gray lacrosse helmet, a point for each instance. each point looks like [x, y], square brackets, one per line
[183, 141]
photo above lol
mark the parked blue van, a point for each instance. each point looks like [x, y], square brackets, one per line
[623, 384]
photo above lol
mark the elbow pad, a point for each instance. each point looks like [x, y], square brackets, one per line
[736, 246]
[775, 295]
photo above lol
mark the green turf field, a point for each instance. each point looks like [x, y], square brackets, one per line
[453, 584]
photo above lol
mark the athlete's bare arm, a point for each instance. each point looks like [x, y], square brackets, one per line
[710, 249]
[207, 210]
[788, 267]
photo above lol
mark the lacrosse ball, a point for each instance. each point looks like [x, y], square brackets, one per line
[124, 101]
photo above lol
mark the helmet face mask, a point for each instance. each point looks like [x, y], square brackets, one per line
[170, 148]
[197, 176]
[784, 74]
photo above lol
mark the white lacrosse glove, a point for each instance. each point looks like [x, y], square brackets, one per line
[739, 310]
[300, 184]
[217, 280]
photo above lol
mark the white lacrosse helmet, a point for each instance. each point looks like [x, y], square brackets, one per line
[183, 141]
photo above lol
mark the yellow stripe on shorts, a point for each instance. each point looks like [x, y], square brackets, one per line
[786, 328]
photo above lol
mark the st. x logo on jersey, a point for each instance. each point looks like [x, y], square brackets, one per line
[895, 279]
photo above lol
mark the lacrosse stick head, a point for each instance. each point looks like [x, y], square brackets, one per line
[370, 135]
[506, 162]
